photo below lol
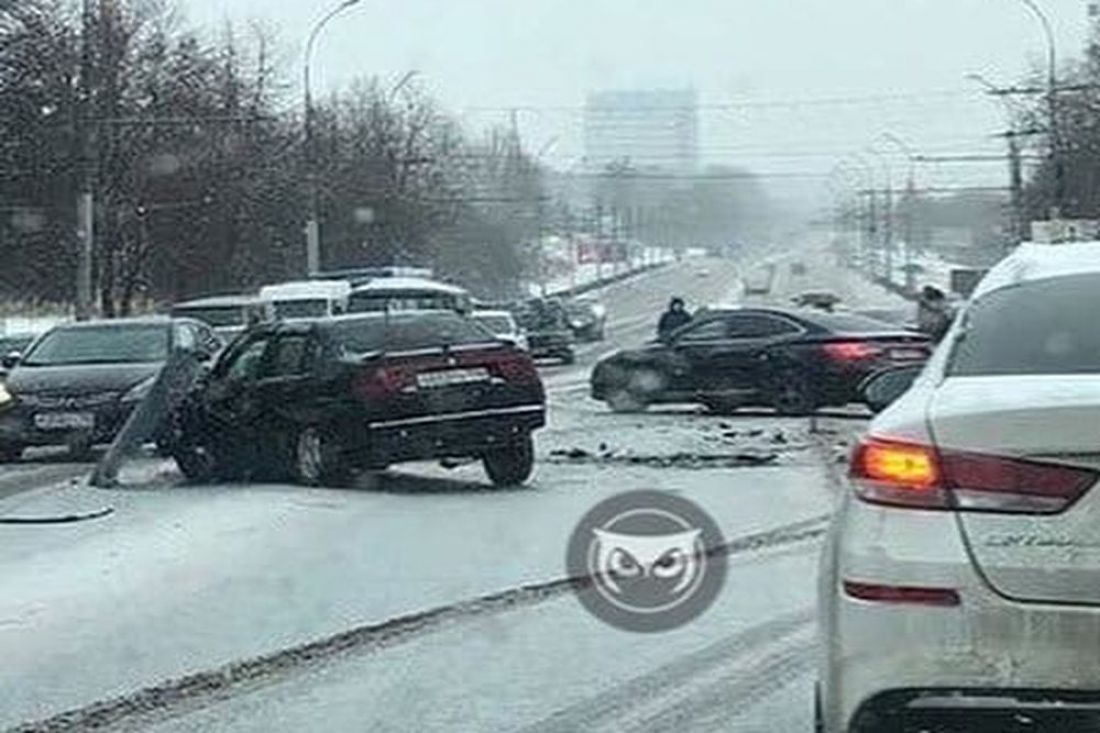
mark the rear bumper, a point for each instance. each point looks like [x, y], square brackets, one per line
[885, 665]
[458, 434]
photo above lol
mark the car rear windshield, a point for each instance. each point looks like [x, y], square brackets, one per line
[229, 315]
[361, 336]
[100, 345]
[844, 323]
[305, 308]
[1041, 327]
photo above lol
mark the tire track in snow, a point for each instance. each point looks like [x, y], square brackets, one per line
[205, 687]
[627, 706]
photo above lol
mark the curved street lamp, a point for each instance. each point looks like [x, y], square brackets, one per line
[313, 224]
[1052, 106]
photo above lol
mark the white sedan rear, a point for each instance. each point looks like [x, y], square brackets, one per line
[960, 583]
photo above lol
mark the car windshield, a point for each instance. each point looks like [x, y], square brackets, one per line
[106, 344]
[217, 316]
[1042, 327]
[301, 308]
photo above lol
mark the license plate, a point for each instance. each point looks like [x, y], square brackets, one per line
[64, 421]
[908, 354]
[451, 377]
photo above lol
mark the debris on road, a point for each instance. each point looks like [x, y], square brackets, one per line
[673, 460]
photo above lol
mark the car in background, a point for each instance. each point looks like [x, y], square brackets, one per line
[587, 318]
[316, 401]
[503, 325]
[306, 299]
[12, 347]
[960, 578]
[793, 361]
[546, 323]
[77, 384]
[408, 294]
[228, 315]
[820, 299]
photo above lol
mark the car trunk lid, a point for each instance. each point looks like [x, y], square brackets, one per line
[1042, 428]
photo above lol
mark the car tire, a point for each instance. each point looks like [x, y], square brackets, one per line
[319, 458]
[511, 465]
[196, 464]
[10, 452]
[568, 358]
[792, 394]
[80, 451]
[626, 401]
[819, 719]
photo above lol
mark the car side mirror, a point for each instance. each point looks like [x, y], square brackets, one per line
[11, 359]
[880, 390]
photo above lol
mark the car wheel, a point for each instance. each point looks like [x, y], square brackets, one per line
[319, 458]
[568, 357]
[512, 464]
[792, 394]
[196, 463]
[80, 450]
[10, 452]
[626, 401]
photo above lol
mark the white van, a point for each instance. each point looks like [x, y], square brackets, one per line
[307, 298]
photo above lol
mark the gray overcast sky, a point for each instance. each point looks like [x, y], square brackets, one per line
[480, 57]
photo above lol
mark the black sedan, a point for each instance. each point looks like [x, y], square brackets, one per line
[546, 323]
[794, 361]
[314, 401]
[79, 382]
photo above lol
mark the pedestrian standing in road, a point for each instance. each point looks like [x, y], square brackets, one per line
[675, 317]
[933, 312]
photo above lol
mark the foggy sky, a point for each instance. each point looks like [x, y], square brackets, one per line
[784, 84]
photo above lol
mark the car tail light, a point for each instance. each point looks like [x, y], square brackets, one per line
[918, 595]
[514, 367]
[383, 381]
[910, 474]
[851, 350]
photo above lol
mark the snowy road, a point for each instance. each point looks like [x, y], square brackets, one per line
[326, 591]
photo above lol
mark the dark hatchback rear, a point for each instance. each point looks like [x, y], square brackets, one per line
[315, 401]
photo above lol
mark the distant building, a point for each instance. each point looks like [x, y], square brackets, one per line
[645, 129]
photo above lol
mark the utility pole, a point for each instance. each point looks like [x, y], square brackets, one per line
[313, 223]
[85, 196]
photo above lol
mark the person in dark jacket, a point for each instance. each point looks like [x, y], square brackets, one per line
[675, 317]
[934, 313]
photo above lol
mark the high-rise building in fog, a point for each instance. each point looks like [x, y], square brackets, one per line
[644, 128]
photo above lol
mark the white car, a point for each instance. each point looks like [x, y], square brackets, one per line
[502, 325]
[960, 581]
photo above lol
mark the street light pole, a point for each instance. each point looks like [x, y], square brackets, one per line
[313, 223]
[888, 214]
[910, 195]
[1018, 223]
[1057, 199]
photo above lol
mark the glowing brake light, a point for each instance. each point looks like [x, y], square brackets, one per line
[909, 474]
[851, 350]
